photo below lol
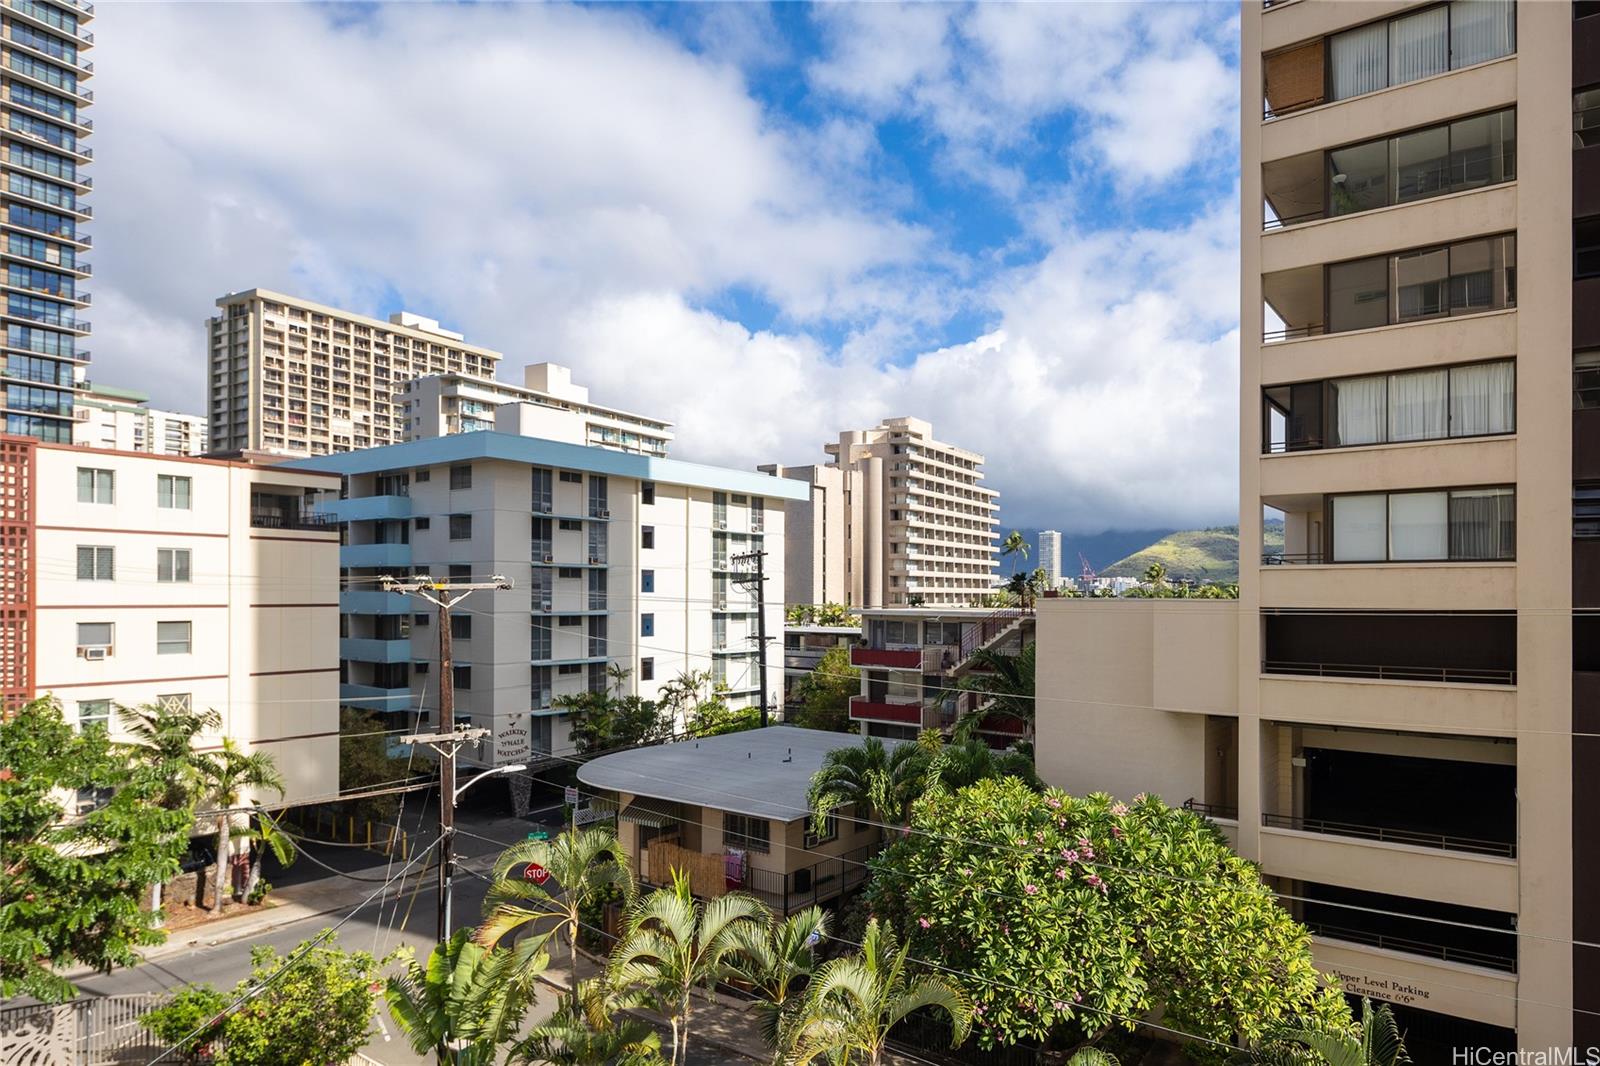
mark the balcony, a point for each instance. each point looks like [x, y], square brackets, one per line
[368, 508]
[889, 658]
[1416, 285]
[1455, 870]
[374, 650]
[864, 710]
[372, 601]
[373, 698]
[288, 512]
[1462, 935]
[376, 556]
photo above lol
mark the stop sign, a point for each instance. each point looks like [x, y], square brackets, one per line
[535, 873]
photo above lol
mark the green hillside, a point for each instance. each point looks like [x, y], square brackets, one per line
[1204, 555]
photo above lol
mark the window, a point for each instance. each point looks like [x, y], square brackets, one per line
[568, 669]
[420, 666]
[460, 527]
[94, 714]
[1419, 45]
[462, 676]
[742, 831]
[96, 486]
[95, 634]
[461, 626]
[1460, 524]
[177, 702]
[647, 492]
[571, 525]
[173, 493]
[421, 523]
[96, 563]
[570, 620]
[647, 669]
[421, 476]
[572, 477]
[1586, 118]
[174, 638]
[647, 625]
[647, 536]
[568, 571]
[1457, 279]
[172, 564]
[830, 831]
[1586, 248]
[647, 581]
[420, 619]
[598, 498]
[460, 572]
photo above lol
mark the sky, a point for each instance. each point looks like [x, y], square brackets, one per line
[765, 224]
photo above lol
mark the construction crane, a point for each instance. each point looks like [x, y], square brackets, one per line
[1088, 573]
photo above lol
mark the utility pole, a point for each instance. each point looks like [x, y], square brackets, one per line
[449, 738]
[757, 578]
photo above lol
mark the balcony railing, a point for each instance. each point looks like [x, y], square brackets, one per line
[1291, 558]
[1444, 952]
[1454, 675]
[1211, 810]
[1315, 329]
[823, 880]
[1385, 835]
[274, 518]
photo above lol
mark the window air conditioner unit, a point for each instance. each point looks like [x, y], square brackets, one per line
[721, 523]
[720, 603]
[545, 605]
[94, 652]
[596, 559]
[602, 513]
[549, 558]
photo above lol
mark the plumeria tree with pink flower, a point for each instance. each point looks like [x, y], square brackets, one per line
[1075, 916]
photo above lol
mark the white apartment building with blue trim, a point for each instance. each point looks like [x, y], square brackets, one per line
[616, 559]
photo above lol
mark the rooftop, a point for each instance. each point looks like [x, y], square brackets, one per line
[536, 451]
[765, 773]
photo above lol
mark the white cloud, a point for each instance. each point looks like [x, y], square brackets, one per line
[570, 183]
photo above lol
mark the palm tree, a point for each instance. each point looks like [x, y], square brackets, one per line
[273, 839]
[1375, 1041]
[1016, 546]
[1007, 681]
[966, 760]
[162, 737]
[852, 1003]
[673, 944]
[590, 1033]
[619, 677]
[874, 778]
[583, 865]
[466, 1001]
[775, 959]
[225, 777]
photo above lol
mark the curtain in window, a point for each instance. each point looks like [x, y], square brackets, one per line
[1483, 399]
[1417, 405]
[1358, 405]
[1358, 528]
[1419, 525]
[1481, 30]
[1419, 45]
[1483, 524]
[1360, 61]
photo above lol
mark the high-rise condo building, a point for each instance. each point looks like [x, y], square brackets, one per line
[123, 420]
[618, 561]
[292, 377]
[441, 404]
[896, 518]
[43, 163]
[1408, 736]
[1050, 556]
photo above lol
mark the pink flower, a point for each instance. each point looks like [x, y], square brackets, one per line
[1069, 854]
[966, 871]
[1119, 809]
[1058, 1005]
[979, 1008]
[1077, 997]
[1116, 831]
[924, 922]
[1032, 890]
[1094, 879]
[1053, 802]
[1061, 872]
[1139, 798]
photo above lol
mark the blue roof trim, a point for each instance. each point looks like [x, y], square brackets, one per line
[537, 451]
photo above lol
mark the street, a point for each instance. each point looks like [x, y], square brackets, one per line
[404, 915]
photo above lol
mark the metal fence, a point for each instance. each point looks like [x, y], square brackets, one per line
[89, 1031]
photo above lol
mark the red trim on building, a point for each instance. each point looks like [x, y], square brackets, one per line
[124, 529]
[281, 673]
[133, 681]
[862, 709]
[131, 607]
[333, 604]
[894, 659]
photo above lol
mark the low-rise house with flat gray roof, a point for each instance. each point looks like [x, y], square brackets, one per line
[731, 811]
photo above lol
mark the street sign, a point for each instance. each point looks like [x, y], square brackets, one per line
[535, 873]
[571, 796]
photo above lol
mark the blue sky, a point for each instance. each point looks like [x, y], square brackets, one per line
[767, 224]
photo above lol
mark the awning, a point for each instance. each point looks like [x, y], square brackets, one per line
[652, 812]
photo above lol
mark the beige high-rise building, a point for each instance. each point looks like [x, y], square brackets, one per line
[1400, 717]
[896, 519]
[293, 377]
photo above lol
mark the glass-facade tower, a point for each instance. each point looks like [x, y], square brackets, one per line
[42, 159]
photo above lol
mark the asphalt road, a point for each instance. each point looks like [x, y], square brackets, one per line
[405, 914]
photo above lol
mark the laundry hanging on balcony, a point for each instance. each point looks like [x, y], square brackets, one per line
[735, 867]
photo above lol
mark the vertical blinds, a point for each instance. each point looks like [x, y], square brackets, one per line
[1400, 50]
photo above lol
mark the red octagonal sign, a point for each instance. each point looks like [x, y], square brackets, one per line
[535, 873]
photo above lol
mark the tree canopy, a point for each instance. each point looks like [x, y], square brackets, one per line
[71, 887]
[1077, 915]
[825, 692]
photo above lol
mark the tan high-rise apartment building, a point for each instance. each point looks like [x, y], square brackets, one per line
[1403, 727]
[293, 377]
[895, 519]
